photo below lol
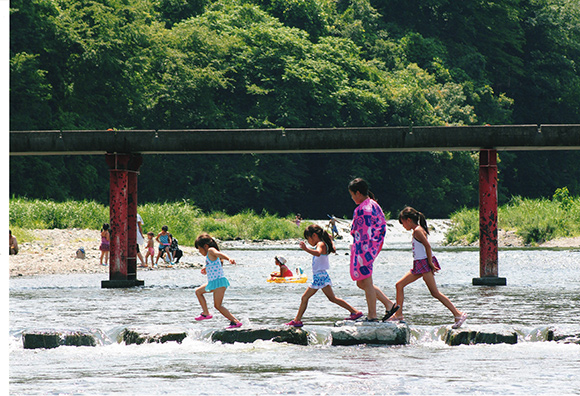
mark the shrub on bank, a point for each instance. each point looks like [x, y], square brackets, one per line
[183, 219]
[535, 220]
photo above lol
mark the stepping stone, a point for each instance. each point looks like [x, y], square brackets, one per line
[471, 337]
[382, 333]
[290, 335]
[55, 338]
[141, 336]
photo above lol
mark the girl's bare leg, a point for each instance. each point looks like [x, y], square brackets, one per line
[430, 282]
[304, 303]
[199, 292]
[327, 290]
[400, 285]
[218, 298]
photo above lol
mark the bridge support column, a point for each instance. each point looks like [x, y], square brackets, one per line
[123, 170]
[488, 252]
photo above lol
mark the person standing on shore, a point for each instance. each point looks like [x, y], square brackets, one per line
[368, 230]
[424, 264]
[150, 249]
[140, 239]
[105, 244]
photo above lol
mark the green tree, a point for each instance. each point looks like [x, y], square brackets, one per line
[307, 15]
[30, 93]
[175, 11]
[549, 90]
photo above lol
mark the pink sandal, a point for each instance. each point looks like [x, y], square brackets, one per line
[354, 316]
[459, 320]
[204, 317]
[295, 323]
[234, 325]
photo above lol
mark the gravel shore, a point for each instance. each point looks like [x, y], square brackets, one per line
[54, 252]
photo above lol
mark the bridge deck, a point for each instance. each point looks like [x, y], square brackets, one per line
[238, 141]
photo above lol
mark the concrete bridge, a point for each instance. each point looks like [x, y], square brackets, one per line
[123, 152]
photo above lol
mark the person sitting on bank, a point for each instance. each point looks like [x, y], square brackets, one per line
[284, 270]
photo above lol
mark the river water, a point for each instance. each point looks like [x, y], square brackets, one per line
[542, 294]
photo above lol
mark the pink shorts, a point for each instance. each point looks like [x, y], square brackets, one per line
[151, 251]
[422, 266]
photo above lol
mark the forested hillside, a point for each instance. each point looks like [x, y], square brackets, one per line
[179, 64]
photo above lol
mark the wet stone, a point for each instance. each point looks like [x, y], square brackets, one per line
[563, 338]
[471, 337]
[381, 333]
[290, 335]
[55, 338]
[137, 336]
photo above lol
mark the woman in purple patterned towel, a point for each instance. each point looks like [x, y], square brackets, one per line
[368, 230]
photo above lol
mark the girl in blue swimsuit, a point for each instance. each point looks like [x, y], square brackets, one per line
[216, 280]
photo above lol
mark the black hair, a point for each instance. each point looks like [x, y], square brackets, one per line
[205, 239]
[105, 227]
[415, 215]
[322, 234]
[361, 186]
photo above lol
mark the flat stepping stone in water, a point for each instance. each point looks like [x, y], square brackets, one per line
[287, 334]
[55, 338]
[141, 336]
[383, 333]
[471, 337]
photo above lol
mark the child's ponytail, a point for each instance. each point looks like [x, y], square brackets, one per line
[322, 234]
[423, 221]
[416, 216]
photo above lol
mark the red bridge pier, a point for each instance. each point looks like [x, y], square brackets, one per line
[488, 256]
[123, 172]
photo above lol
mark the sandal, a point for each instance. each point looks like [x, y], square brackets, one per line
[354, 316]
[234, 325]
[204, 317]
[294, 323]
[391, 312]
[367, 319]
[459, 320]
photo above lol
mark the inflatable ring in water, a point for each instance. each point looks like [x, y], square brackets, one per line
[291, 279]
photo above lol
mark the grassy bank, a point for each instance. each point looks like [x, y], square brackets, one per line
[184, 220]
[535, 220]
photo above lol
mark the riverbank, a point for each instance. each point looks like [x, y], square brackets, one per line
[54, 252]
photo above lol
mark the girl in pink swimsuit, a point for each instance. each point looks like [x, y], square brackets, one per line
[368, 230]
[424, 264]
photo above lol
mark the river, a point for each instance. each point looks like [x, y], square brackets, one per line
[542, 294]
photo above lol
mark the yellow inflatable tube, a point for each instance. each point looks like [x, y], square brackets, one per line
[292, 279]
[300, 277]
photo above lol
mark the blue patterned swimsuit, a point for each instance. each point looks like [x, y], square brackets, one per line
[215, 274]
[320, 277]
